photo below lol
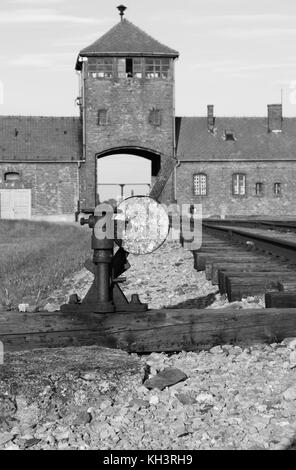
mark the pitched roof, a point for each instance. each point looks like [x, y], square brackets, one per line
[253, 141]
[126, 38]
[40, 138]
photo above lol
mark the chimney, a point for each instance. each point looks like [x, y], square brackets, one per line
[211, 119]
[275, 117]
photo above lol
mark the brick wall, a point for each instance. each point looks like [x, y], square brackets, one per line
[54, 186]
[220, 200]
[128, 102]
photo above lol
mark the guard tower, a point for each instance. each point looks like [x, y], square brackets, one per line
[127, 105]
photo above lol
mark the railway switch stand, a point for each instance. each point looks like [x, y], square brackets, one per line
[105, 294]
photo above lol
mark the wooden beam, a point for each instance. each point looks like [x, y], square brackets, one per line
[261, 280]
[202, 259]
[155, 330]
[212, 270]
[239, 287]
[280, 299]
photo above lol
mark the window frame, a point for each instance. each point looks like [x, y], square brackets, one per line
[200, 175]
[237, 176]
[156, 122]
[101, 68]
[261, 193]
[149, 68]
[103, 112]
[137, 67]
[279, 185]
[159, 68]
[7, 173]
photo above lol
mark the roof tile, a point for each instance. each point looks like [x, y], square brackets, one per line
[126, 38]
[40, 138]
[253, 141]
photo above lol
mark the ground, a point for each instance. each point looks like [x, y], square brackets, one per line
[94, 398]
[97, 398]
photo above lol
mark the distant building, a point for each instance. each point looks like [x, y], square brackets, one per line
[233, 166]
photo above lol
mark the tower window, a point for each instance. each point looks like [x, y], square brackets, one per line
[238, 184]
[259, 189]
[155, 117]
[200, 184]
[11, 177]
[157, 68]
[102, 117]
[100, 68]
[127, 68]
[277, 189]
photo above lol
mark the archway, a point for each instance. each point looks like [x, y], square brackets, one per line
[125, 172]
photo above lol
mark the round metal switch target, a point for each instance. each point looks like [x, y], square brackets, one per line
[143, 225]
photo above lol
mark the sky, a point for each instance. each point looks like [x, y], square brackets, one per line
[123, 169]
[237, 55]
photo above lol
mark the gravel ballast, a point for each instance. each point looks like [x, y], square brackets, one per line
[230, 397]
[95, 398]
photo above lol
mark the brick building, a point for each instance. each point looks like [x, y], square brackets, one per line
[233, 166]
[238, 166]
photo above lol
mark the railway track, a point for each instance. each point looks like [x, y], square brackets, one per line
[242, 260]
[279, 225]
[246, 261]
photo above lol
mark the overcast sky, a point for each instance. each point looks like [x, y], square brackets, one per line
[234, 54]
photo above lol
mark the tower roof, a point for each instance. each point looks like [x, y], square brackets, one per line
[127, 39]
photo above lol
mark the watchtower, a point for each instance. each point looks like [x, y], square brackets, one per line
[127, 104]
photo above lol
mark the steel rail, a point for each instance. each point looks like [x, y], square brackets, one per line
[267, 243]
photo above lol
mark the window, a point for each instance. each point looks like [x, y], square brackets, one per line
[239, 184]
[259, 189]
[155, 117]
[127, 68]
[11, 177]
[157, 68]
[100, 68]
[102, 117]
[137, 68]
[229, 135]
[200, 184]
[277, 189]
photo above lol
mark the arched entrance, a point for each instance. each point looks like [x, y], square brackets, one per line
[124, 172]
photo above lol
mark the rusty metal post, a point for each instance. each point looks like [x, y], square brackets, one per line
[102, 259]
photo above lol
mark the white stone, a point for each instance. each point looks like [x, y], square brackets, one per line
[203, 397]
[154, 400]
[23, 307]
[292, 344]
[62, 436]
[12, 447]
[292, 358]
[5, 437]
[105, 404]
[51, 308]
[216, 350]
[290, 393]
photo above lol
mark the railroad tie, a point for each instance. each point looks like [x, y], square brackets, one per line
[280, 299]
[247, 265]
[249, 284]
[253, 272]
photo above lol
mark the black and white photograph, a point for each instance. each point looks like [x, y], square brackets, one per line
[147, 228]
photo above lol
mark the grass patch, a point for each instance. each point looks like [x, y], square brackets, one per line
[35, 257]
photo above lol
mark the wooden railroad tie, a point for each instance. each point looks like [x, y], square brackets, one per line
[155, 330]
[280, 299]
[245, 262]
